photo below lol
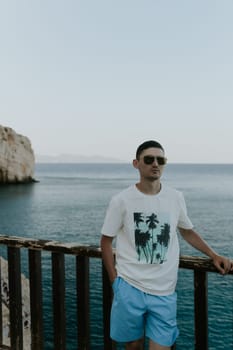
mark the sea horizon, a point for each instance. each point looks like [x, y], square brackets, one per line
[99, 159]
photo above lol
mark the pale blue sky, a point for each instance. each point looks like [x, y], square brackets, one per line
[100, 76]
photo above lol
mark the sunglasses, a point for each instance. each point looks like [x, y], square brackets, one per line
[150, 159]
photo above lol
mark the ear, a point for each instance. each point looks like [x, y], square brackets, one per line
[135, 163]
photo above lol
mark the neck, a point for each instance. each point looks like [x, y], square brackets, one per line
[152, 187]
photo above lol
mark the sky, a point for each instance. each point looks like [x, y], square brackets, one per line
[100, 77]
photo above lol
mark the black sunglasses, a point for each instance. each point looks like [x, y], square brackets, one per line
[150, 159]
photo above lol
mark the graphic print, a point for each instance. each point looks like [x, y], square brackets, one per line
[152, 238]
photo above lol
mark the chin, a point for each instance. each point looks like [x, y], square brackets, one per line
[154, 178]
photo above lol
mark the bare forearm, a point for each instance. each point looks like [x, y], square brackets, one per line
[108, 257]
[195, 240]
[224, 265]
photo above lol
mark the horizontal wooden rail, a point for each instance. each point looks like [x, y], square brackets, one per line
[83, 253]
[92, 251]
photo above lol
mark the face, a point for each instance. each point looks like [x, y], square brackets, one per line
[150, 167]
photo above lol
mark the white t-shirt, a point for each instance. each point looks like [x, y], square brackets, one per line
[145, 227]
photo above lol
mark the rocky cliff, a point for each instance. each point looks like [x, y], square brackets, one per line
[17, 158]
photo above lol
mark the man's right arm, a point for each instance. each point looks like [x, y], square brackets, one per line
[108, 257]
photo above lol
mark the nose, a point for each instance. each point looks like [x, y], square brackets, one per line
[155, 162]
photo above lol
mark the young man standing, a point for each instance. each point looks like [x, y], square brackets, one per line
[144, 219]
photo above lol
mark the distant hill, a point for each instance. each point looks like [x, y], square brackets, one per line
[72, 158]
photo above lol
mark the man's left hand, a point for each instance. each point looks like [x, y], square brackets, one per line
[224, 265]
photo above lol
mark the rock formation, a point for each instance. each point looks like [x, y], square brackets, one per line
[17, 158]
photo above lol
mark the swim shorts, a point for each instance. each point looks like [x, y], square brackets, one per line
[135, 313]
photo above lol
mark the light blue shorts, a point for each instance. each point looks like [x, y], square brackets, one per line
[135, 313]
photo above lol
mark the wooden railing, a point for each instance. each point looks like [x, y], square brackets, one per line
[83, 254]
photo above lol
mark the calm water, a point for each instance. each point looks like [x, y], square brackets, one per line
[69, 204]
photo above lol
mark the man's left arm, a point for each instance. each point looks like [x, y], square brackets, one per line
[224, 265]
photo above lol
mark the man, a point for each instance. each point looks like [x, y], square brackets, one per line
[144, 219]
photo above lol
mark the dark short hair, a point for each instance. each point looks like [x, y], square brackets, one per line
[148, 144]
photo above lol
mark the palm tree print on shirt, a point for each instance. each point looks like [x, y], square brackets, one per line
[151, 238]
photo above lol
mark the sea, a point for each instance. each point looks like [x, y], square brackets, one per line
[68, 204]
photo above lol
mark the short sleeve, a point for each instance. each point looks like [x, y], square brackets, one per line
[184, 221]
[113, 219]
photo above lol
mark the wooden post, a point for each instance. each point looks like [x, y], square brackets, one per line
[15, 297]
[83, 302]
[58, 271]
[201, 310]
[36, 302]
[1, 323]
